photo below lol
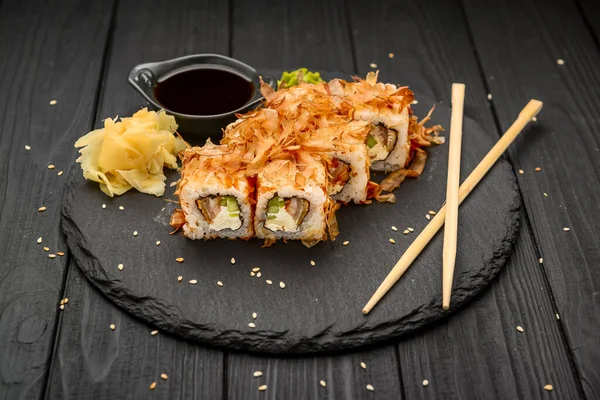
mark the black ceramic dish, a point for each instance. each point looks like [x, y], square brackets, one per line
[196, 128]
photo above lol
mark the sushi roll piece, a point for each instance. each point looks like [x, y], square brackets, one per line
[292, 201]
[216, 196]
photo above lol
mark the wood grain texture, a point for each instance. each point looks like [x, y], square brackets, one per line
[430, 39]
[92, 361]
[565, 147]
[590, 10]
[50, 51]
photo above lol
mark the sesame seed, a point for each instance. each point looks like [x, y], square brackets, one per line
[42, 209]
[252, 273]
[520, 329]
[560, 61]
[394, 229]
[346, 243]
[62, 302]
[51, 166]
[193, 281]
[313, 263]
[282, 285]
[39, 240]
[52, 255]
[103, 205]
[164, 376]
[391, 55]
[258, 274]
[257, 374]
[62, 307]
[232, 260]
[53, 102]
[534, 119]
[363, 365]
[425, 382]
[538, 169]
[521, 172]
[255, 269]
[566, 229]
[60, 253]
[370, 387]
[135, 233]
[60, 173]
[410, 229]
[262, 388]
[158, 242]
[557, 316]
[120, 266]
[179, 259]
[153, 386]
[541, 260]
[373, 65]
[154, 332]
[431, 212]
[179, 278]
[406, 232]
[428, 216]
[545, 194]
[66, 299]
[415, 102]
[254, 315]
[392, 241]
[27, 147]
[548, 388]
[269, 282]
[323, 383]
[121, 208]
[219, 283]
[252, 325]
[112, 327]
[46, 248]
[489, 96]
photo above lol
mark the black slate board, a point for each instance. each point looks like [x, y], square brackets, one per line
[319, 309]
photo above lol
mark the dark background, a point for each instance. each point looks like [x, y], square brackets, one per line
[79, 53]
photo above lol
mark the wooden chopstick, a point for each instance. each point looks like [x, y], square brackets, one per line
[451, 223]
[527, 113]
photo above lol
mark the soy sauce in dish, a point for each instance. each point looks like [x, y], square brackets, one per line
[203, 91]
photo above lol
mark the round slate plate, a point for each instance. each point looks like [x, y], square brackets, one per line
[320, 307]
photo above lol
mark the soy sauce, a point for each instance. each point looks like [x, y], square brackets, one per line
[203, 91]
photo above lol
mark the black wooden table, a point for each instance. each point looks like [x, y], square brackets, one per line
[79, 52]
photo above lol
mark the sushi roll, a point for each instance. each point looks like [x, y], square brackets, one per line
[216, 196]
[292, 201]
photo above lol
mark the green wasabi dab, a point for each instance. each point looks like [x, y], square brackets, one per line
[289, 79]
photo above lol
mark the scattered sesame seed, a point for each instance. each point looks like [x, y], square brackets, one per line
[60, 253]
[370, 387]
[541, 260]
[560, 61]
[489, 96]
[363, 365]
[534, 119]
[394, 229]
[154, 332]
[262, 388]
[179, 259]
[158, 242]
[313, 263]
[51, 166]
[392, 241]
[548, 388]
[410, 229]
[520, 328]
[521, 172]
[62, 302]
[39, 240]
[373, 65]
[282, 285]
[254, 315]
[46, 248]
[431, 212]
[62, 307]
[179, 278]
[557, 316]
[323, 383]
[428, 217]
[566, 229]
[269, 282]
[153, 386]
[391, 55]
[538, 169]
[120, 266]
[252, 325]
[60, 173]
[406, 232]
[545, 194]
[258, 274]
[53, 102]
[27, 147]
[255, 269]
[51, 255]
[415, 102]
[232, 260]
[346, 243]
[121, 208]
[103, 205]
[164, 376]
[193, 281]
[135, 233]
[257, 374]
[112, 327]
[42, 209]
[219, 283]
[252, 273]
[425, 382]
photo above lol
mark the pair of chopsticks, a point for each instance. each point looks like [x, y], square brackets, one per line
[455, 196]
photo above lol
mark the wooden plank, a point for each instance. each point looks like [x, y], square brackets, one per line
[50, 51]
[477, 352]
[289, 35]
[564, 145]
[91, 360]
